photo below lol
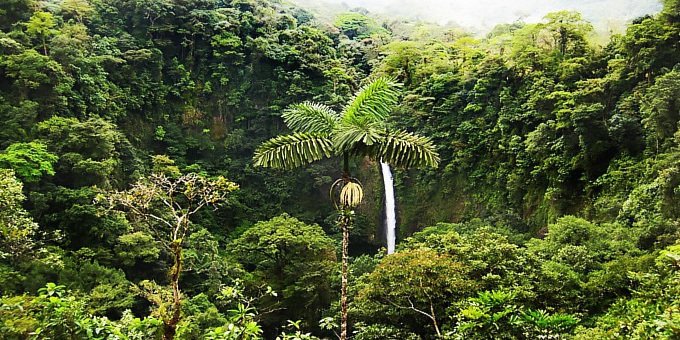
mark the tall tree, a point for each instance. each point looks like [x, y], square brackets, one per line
[79, 9]
[568, 31]
[295, 259]
[41, 25]
[166, 204]
[17, 229]
[360, 130]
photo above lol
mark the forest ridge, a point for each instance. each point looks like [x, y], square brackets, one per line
[165, 168]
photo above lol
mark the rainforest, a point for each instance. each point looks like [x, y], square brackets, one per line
[254, 169]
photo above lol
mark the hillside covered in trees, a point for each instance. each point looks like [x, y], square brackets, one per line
[165, 169]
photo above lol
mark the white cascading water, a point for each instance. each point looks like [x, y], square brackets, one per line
[390, 214]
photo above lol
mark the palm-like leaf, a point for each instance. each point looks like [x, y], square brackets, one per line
[311, 117]
[373, 103]
[348, 137]
[404, 149]
[292, 151]
[360, 130]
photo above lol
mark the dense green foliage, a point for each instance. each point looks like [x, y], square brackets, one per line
[553, 212]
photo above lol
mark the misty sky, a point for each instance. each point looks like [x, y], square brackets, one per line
[484, 14]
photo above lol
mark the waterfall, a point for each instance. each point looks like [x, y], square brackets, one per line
[390, 214]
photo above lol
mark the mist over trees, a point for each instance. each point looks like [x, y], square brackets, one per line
[482, 16]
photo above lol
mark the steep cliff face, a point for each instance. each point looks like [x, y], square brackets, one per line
[535, 122]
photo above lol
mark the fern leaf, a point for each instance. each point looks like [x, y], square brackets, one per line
[405, 149]
[373, 103]
[310, 117]
[292, 151]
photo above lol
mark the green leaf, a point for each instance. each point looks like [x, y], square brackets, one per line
[349, 137]
[30, 160]
[311, 117]
[373, 103]
[292, 151]
[404, 149]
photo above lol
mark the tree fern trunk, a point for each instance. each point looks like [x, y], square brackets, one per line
[345, 222]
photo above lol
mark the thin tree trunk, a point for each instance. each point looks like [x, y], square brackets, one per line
[171, 325]
[345, 167]
[344, 226]
[434, 320]
[343, 289]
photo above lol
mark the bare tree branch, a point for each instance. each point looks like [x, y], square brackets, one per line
[170, 202]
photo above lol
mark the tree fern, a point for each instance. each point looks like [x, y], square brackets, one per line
[360, 131]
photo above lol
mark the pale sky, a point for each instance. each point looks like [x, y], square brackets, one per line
[484, 14]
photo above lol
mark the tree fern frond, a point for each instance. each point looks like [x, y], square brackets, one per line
[373, 102]
[351, 136]
[404, 149]
[292, 151]
[310, 117]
